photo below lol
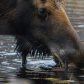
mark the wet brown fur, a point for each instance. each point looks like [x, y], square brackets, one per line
[52, 30]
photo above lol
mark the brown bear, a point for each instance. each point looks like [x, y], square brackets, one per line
[41, 25]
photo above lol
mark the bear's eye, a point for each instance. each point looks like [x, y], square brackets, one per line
[42, 13]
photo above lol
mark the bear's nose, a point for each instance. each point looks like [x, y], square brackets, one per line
[71, 65]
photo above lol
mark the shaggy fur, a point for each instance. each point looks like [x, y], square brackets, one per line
[41, 25]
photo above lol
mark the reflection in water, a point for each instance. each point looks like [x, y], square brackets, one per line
[10, 61]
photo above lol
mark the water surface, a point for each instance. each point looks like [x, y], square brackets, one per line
[10, 60]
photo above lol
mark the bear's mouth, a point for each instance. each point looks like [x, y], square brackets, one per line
[42, 52]
[36, 48]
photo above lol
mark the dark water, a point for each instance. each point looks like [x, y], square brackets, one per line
[10, 60]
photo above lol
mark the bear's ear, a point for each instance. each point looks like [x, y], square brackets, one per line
[61, 3]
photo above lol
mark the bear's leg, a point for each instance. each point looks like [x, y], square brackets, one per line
[24, 61]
